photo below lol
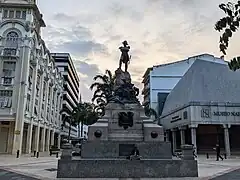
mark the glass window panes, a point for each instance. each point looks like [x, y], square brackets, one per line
[18, 14]
[24, 14]
[5, 13]
[5, 93]
[11, 14]
[9, 69]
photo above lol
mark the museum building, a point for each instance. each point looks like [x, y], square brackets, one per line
[203, 109]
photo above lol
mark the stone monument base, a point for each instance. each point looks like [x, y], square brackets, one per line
[121, 168]
[122, 149]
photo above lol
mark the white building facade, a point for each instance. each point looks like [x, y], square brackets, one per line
[160, 80]
[71, 94]
[31, 88]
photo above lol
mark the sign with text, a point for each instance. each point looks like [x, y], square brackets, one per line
[226, 113]
[207, 113]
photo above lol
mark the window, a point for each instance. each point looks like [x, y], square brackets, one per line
[6, 99]
[12, 40]
[28, 102]
[42, 112]
[5, 13]
[30, 77]
[53, 99]
[18, 14]
[44, 90]
[35, 107]
[8, 72]
[49, 94]
[24, 14]
[38, 84]
[11, 14]
[9, 52]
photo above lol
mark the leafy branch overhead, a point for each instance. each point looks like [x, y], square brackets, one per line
[228, 24]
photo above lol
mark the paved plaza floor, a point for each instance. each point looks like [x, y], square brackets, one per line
[44, 167]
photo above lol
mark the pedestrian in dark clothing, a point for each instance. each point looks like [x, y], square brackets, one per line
[194, 151]
[217, 149]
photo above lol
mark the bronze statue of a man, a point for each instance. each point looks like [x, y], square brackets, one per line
[124, 56]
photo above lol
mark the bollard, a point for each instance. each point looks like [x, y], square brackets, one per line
[50, 152]
[207, 156]
[18, 153]
[225, 156]
[34, 153]
[57, 155]
[37, 154]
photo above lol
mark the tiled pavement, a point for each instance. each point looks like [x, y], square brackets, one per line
[30, 168]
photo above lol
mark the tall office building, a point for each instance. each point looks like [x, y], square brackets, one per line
[161, 79]
[71, 95]
[31, 86]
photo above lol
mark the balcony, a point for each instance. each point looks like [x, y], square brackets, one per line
[10, 52]
[7, 81]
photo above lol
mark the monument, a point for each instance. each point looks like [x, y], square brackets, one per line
[125, 143]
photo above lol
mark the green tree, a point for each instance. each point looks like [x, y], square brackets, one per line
[70, 118]
[228, 25]
[103, 90]
[85, 114]
[151, 112]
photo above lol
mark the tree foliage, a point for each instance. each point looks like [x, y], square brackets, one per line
[228, 25]
[83, 113]
[103, 91]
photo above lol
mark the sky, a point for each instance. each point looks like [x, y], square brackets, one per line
[158, 31]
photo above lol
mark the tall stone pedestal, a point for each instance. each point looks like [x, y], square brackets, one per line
[113, 138]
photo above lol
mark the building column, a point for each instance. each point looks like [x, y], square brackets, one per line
[21, 97]
[48, 140]
[43, 139]
[174, 140]
[182, 134]
[52, 138]
[29, 138]
[36, 141]
[167, 135]
[193, 136]
[59, 141]
[226, 139]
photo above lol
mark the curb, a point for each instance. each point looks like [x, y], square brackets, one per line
[25, 174]
[221, 173]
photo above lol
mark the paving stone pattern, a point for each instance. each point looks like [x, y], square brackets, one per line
[234, 175]
[7, 175]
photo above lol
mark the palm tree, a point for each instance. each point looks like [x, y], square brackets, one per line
[151, 112]
[229, 24]
[70, 118]
[84, 113]
[104, 86]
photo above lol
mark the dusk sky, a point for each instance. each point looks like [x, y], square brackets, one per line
[158, 31]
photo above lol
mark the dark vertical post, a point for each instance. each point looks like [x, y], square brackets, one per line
[207, 156]
[37, 154]
[34, 153]
[18, 152]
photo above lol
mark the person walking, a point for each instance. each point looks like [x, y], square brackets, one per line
[194, 151]
[218, 150]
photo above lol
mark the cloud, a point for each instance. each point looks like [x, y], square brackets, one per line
[77, 40]
[86, 72]
[158, 31]
[82, 48]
